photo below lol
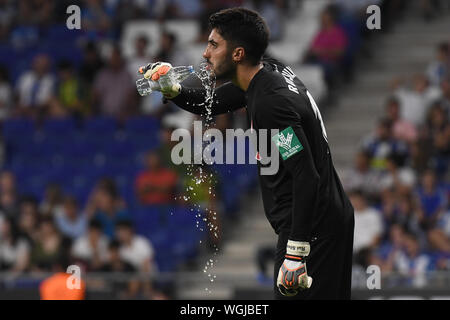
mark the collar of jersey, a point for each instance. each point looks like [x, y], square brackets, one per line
[258, 75]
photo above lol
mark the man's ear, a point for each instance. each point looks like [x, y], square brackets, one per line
[238, 54]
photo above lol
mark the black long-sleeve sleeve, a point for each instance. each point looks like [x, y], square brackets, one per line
[277, 113]
[226, 98]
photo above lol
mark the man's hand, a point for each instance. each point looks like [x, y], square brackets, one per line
[158, 71]
[293, 276]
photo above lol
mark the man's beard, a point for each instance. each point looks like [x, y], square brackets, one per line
[225, 70]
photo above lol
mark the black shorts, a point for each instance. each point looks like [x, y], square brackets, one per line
[329, 264]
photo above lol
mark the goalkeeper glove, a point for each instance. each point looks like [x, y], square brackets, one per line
[159, 71]
[293, 276]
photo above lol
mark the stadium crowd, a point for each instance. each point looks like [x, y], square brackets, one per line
[64, 97]
[86, 172]
[399, 183]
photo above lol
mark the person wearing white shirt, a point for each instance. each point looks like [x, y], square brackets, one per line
[368, 223]
[14, 249]
[415, 103]
[92, 247]
[36, 87]
[134, 249]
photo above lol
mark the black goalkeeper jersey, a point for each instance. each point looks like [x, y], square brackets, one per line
[304, 197]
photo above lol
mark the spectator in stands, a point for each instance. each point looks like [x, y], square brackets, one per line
[412, 262]
[200, 186]
[140, 57]
[381, 144]
[407, 216]
[398, 177]
[437, 134]
[368, 223]
[445, 88]
[7, 181]
[401, 129]
[328, 46]
[115, 263]
[52, 201]
[92, 63]
[55, 287]
[29, 218]
[361, 176]
[14, 249]
[35, 12]
[69, 221]
[35, 88]
[6, 97]
[156, 184]
[106, 206]
[439, 69]
[149, 104]
[8, 12]
[388, 249]
[415, 102]
[135, 249]
[123, 11]
[124, 289]
[170, 51]
[69, 90]
[207, 9]
[91, 248]
[273, 15]
[165, 150]
[55, 109]
[420, 153]
[439, 237]
[96, 20]
[114, 93]
[432, 200]
[47, 248]
[8, 195]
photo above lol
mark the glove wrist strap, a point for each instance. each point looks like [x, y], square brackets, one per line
[297, 249]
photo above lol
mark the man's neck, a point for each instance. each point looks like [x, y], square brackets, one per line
[245, 74]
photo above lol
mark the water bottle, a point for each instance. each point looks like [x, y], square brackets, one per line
[175, 74]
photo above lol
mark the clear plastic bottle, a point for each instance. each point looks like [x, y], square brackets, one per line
[178, 74]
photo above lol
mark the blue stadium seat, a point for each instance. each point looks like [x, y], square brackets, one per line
[101, 125]
[60, 34]
[119, 148]
[184, 218]
[59, 127]
[144, 125]
[80, 186]
[148, 220]
[13, 128]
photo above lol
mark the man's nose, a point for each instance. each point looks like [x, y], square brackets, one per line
[206, 53]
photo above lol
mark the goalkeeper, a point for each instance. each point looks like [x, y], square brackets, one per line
[304, 201]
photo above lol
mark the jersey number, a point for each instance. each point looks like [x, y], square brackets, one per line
[318, 115]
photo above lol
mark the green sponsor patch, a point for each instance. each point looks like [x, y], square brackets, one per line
[287, 143]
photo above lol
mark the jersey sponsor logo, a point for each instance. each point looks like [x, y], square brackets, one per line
[287, 143]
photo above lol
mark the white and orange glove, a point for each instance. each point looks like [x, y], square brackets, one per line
[159, 71]
[293, 276]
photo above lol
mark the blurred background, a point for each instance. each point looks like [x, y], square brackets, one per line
[86, 176]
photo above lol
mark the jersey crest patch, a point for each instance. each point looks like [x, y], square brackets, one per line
[287, 143]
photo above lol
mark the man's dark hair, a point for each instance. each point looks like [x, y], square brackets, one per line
[242, 28]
